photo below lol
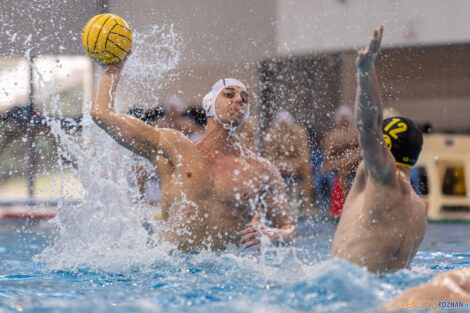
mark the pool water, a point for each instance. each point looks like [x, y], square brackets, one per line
[301, 279]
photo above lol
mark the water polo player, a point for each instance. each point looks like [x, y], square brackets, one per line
[383, 220]
[211, 188]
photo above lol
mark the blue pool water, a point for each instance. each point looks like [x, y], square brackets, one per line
[284, 280]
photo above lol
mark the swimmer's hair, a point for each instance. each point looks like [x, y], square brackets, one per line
[148, 116]
[153, 114]
[404, 138]
[138, 112]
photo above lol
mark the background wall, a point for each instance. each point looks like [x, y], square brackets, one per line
[423, 67]
[429, 84]
[420, 77]
[318, 25]
[218, 39]
[45, 26]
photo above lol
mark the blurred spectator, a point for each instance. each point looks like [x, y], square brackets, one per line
[342, 156]
[16, 122]
[174, 117]
[197, 114]
[321, 181]
[286, 145]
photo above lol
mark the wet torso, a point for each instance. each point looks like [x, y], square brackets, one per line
[381, 226]
[207, 200]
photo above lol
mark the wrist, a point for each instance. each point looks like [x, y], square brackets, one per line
[277, 236]
[113, 69]
[274, 234]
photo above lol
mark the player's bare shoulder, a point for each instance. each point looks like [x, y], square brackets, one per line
[174, 134]
[186, 151]
[262, 165]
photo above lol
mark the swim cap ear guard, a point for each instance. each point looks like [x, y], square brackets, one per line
[404, 139]
[207, 105]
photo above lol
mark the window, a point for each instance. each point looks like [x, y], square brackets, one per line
[454, 181]
[32, 95]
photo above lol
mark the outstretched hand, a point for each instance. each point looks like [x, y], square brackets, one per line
[252, 235]
[366, 58]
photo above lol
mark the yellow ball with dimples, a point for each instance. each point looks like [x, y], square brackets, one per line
[107, 38]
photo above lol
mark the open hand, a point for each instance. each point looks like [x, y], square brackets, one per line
[253, 233]
[366, 58]
[117, 67]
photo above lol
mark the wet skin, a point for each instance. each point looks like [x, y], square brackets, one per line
[342, 153]
[383, 220]
[450, 286]
[210, 188]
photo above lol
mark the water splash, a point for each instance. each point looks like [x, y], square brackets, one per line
[149, 69]
[105, 230]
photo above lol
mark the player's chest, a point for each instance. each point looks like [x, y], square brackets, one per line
[236, 182]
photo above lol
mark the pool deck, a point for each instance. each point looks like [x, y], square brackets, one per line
[43, 211]
[27, 212]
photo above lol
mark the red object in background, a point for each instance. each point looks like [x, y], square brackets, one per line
[337, 199]
[29, 215]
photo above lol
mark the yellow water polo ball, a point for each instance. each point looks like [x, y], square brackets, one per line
[107, 38]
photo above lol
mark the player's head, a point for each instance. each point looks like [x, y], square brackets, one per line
[227, 102]
[404, 138]
[284, 117]
[343, 115]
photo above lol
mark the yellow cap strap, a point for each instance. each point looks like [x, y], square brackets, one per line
[407, 165]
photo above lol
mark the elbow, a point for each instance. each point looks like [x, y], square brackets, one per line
[96, 115]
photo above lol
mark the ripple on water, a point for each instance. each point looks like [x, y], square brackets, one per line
[279, 280]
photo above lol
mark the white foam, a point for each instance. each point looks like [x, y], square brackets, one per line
[105, 230]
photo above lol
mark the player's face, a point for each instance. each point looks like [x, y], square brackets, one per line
[232, 105]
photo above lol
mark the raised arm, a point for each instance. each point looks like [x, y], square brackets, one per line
[127, 130]
[368, 114]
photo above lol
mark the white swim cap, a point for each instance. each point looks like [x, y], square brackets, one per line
[208, 103]
[284, 116]
[343, 111]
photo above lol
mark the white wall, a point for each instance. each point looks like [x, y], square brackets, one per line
[218, 38]
[317, 25]
[44, 26]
